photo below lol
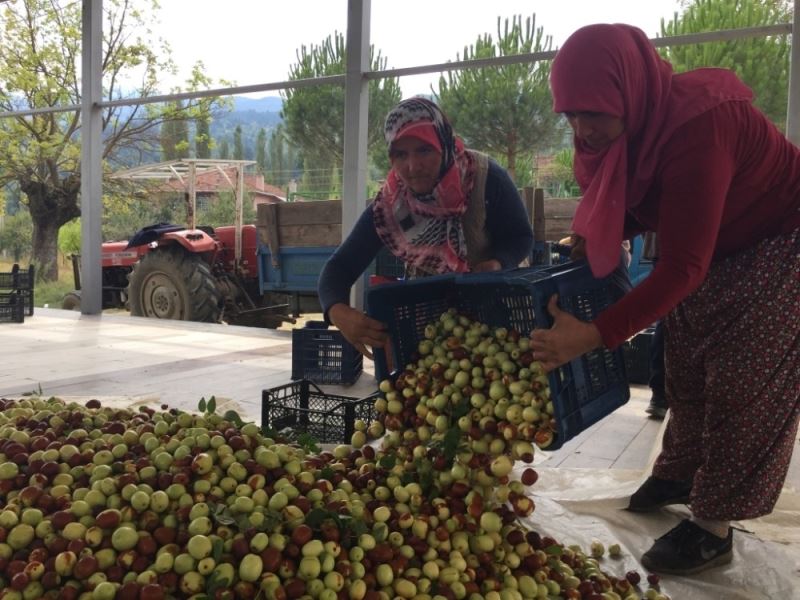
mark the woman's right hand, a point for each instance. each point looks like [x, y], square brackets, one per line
[578, 248]
[359, 329]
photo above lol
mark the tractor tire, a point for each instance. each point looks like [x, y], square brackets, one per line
[173, 284]
[71, 300]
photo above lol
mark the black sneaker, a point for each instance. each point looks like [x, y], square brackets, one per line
[688, 549]
[656, 493]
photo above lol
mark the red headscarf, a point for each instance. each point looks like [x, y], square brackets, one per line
[615, 69]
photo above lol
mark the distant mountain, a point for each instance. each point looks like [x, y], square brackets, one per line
[253, 114]
[265, 104]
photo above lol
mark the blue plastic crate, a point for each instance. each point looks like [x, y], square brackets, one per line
[583, 391]
[304, 408]
[323, 355]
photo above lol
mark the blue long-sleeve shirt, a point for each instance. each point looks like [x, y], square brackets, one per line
[507, 224]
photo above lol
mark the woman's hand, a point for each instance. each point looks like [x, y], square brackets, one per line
[567, 339]
[359, 329]
[578, 248]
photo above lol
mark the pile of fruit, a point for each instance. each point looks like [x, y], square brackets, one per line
[101, 503]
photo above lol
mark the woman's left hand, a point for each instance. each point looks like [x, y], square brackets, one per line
[567, 339]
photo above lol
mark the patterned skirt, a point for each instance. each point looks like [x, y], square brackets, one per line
[732, 351]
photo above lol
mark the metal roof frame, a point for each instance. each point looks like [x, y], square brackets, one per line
[355, 82]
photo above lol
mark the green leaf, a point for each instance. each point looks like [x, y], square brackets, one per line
[201, 406]
[218, 546]
[308, 443]
[554, 550]
[233, 417]
[327, 473]
[212, 404]
[387, 461]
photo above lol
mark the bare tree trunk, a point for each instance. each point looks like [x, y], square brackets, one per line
[45, 249]
[50, 207]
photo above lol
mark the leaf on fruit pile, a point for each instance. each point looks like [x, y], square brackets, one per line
[327, 473]
[201, 406]
[554, 550]
[308, 443]
[211, 405]
[387, 461]
[218, 547]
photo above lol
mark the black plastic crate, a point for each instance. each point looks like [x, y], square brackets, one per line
[583, 391]
[549, 253]
[304, 408]
[22, 282]
[637, 352]
[324, 356]
[12, 308]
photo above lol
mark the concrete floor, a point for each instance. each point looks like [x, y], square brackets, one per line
[64, 353]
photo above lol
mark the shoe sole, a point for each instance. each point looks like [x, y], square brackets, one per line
[655, 507]
[718, 561]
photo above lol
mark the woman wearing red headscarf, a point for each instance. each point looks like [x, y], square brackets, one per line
[688, 156]
[443, 209]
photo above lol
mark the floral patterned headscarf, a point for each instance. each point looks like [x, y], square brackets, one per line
[425, 230]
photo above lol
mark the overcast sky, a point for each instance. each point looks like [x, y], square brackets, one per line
[255, 41]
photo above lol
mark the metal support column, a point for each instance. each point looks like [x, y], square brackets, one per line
[793, 104]
[356, 106]
[91, 158]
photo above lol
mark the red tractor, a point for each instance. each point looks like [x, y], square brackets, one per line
[202, 273]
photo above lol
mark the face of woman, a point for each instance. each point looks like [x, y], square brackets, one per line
[596, 130]
[417, 163]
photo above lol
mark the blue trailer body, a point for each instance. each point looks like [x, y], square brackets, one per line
[295, 271]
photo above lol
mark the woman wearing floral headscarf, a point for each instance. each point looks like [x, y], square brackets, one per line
[443, 209]
[688, 156]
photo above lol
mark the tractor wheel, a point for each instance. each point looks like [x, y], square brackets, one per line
[72, 300]
[173, 284]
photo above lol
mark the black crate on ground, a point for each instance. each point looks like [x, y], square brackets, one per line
[22, 282]
[323, 355]
[637, 356]
[303, 407]
[583, 391]
[12, 308]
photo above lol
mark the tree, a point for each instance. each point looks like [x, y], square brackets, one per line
[282, 160]
[39, 51]
[174, 134]
[761, 62]
[238, 147]
[16, 234]
[261, 151]
[505, 111]
[202, 138]
[314, 116]
[222, 210]
[69, 238]
[224, 150]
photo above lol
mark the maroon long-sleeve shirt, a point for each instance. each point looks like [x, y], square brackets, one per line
[727, 179]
